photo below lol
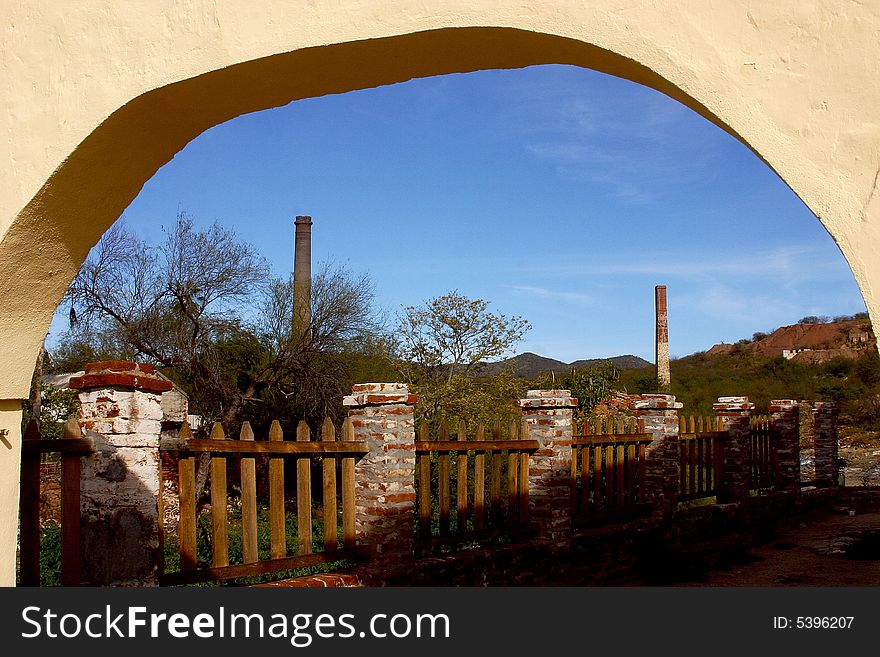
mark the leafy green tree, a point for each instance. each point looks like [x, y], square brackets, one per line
[56, 406]
[441, 347]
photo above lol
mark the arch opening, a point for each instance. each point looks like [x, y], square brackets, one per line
[76, 205]
[44, 244]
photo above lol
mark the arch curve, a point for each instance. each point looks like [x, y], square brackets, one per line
[99, 95]
[94, 184]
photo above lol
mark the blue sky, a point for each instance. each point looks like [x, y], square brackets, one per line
[559, 194]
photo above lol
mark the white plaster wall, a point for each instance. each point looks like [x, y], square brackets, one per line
[88, 114]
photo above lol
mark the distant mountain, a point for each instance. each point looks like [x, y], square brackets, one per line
[529, 365]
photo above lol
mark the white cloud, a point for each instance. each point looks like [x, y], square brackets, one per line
[738, 307]
[789, 265]
[545, 293]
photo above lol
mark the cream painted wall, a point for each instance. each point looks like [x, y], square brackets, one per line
[99, 94]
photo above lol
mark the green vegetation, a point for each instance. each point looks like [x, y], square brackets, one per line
[441, 347]
[698, 380]
[590, 386]
[204, 547]
[56, 405]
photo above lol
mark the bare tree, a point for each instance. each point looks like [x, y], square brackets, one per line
[203, 305]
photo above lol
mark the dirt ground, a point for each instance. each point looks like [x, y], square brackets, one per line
[829, 549]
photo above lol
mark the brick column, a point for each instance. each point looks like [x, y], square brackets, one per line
[784, 419]
[548, 414]
[121, 405]
[825, 443]
[735, 413]
[385, 493]
[659, 413]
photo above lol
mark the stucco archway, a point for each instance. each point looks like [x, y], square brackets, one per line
[100, 96]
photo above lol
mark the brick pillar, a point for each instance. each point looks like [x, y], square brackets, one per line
[385, 493]
[825, 443]
[735, 413]
[784, 419]
[548, 414]
[121, 405]
[660, 416]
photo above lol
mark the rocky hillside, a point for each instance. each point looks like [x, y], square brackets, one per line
[529, 365]
[808, 343]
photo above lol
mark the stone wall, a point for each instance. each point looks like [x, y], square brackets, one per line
[121, 411]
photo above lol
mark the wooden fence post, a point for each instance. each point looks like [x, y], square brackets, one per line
[548, 415]
[29, 547]
[785, 422]
[381, 414]
[659, 415]
[734, 414]
[120, 404]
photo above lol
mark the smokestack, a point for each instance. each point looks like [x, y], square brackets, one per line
[662, 343]
[302, 273]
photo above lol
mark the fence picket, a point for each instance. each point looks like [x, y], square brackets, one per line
[585, 471]
[219, 522]
[620, 474]
[495, 479]
[512, 466]
[573, 473]
[524, 476]
[186, 477]
[424, 485]
[692, 464]
[348, 485]
[445, 483]
[461, 481]
[597, 474]
[30, 510]
[277, 529]
[632, 495]
[248, 500]
[71, 468]
[304, 492]
[328, 488]
[479, 481]
[700, 464]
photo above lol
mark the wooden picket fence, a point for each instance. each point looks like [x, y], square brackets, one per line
[608, 468]
[490, 484]
[701, 457]
[72, 447]
[763, 460]
[334, 456]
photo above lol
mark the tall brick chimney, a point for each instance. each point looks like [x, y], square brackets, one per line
[302, 273]
[662, 343]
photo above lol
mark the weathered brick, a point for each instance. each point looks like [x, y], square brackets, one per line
[382, 416]
[734, 414]
[548, 415]
[659, 415]
[825, 443]
[785, 422]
